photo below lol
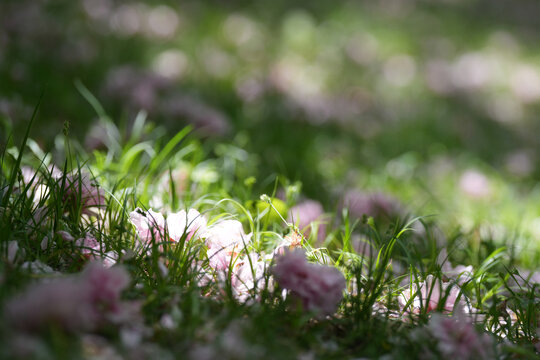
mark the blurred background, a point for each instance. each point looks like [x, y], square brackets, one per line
[433, 103]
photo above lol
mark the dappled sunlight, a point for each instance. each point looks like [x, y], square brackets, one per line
[274, 180]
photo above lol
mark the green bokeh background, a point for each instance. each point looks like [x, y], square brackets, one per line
[432, 102]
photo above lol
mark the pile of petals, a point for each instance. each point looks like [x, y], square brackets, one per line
[82, 302]
[319, 287]
[225, 242]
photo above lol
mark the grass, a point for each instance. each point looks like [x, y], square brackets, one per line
[410, 125]
[182, 316]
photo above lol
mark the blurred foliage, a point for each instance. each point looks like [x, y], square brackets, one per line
[434, 102]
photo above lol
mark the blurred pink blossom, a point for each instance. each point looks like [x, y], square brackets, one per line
[460, 273]
[363, 247]
[475, 184]
[371, 204]
[80, 190]
[429, 294]
[74, 303]
[308, 214]
[104, 287]
[319, 287]
[206, 119]
[457, 338]
[92, 250]
[89, 246]
[136, 88]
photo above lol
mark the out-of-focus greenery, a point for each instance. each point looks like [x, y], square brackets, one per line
[410, 123]
[433, 102]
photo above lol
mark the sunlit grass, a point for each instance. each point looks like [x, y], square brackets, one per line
[393, 276]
